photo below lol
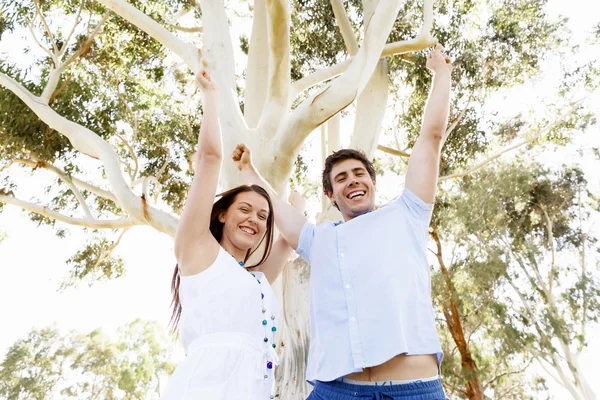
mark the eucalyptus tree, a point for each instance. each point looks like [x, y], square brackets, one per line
[108, 105]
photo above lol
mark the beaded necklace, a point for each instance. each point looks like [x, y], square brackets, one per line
[265, 322]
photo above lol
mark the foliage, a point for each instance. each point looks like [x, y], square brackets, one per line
[48, 364]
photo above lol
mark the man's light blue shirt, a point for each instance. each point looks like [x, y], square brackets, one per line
[370, 289]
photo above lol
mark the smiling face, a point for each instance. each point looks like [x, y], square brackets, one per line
[353, 188]
[245, 221]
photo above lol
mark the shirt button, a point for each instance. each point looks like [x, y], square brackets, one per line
[342, 255]
[352, 319]
[347, 286]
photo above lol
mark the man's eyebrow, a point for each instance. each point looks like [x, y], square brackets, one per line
[339, 175]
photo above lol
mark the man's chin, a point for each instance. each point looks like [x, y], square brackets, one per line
[358, 211]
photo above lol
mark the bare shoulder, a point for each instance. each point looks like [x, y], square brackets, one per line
[198, 258]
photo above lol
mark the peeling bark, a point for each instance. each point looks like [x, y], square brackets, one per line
[370, 110]
[257, 73]
[473, 389]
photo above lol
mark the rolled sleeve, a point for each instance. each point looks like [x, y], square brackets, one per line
[305, 242]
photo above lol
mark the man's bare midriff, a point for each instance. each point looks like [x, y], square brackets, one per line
[401, 367]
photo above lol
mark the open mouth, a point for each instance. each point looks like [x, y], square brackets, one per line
[247, 230]
[356, 194]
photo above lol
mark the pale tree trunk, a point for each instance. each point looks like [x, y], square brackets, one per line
[370, 110]
[257, 71]
[371, 104]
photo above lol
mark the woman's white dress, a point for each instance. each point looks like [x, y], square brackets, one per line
[222, 332]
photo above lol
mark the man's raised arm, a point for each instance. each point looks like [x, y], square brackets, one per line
[288, 219]
[424, 163]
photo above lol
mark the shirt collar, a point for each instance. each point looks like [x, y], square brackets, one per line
[341, 222]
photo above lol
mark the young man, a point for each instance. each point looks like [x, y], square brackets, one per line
[372, 322]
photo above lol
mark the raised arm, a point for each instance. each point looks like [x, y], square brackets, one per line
[195, 247]
[289, 220]
[424, 163]
[281, 251]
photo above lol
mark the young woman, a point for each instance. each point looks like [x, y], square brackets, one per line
[224, 309]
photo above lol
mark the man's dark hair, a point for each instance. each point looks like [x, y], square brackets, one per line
[342, 155]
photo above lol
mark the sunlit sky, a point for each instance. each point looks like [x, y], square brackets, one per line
[32, 259]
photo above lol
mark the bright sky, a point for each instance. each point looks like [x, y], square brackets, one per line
[32, 259]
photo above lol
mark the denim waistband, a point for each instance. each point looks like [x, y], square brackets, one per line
[335, 390]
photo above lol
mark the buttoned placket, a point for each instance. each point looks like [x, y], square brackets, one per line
[344, 265]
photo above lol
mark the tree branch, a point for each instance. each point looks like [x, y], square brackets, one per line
[189, 53]
[455, 389]
[134, 117]
[548, 371]
[68, 39]
[84, 185]
[87, 142]
[393, 152]
[550, 230]
[48, 30]
[46, 50]
[422, 41]
[60, 89]
[424, 38]
[85, 222]
[278, 90]
[192, 29]
[257, 74]
[319, 76]
[146, 186]
[321, 106]
[133, 174]
[485, 162]
[50, 90]
[494, 379]
[220, 63]
[455, 123]
[346, 30]
[110, 249]
[87, 43]
[67, 181]
[370, 111]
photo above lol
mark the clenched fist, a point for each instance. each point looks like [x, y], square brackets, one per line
[242, 157]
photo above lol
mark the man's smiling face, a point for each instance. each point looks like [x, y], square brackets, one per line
[353, 188]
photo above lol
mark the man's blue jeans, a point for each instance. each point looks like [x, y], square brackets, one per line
[335, 390]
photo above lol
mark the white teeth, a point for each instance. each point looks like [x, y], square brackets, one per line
[356, 194]
[248, 231]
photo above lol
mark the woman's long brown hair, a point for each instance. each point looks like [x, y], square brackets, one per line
[216, 228]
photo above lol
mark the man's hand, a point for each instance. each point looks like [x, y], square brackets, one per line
[206, 84]
[297, 201]
[438, 61]
[242, 157]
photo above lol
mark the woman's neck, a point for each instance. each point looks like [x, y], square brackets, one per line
[239, 255]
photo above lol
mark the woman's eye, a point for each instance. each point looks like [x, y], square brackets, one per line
[262, 217]
[244, 209]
